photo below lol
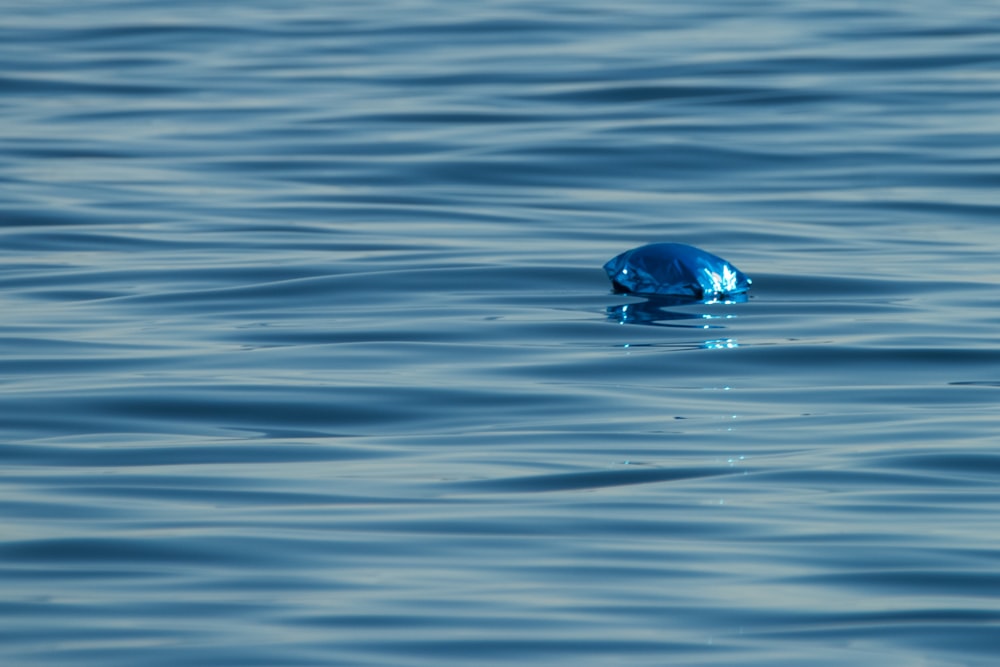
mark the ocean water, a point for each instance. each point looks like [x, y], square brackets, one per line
[308, 359]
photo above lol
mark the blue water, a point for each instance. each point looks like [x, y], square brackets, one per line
[308, 358]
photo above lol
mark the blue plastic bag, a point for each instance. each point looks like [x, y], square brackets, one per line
[679, 271]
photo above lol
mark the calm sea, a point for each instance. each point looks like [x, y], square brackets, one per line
[307, 358]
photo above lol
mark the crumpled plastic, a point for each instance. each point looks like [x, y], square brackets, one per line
[677, 271]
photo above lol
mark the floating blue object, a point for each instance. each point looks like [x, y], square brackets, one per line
[679, 271]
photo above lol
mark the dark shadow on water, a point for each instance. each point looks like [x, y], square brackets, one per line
[663, 311]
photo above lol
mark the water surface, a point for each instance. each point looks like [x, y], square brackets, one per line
[309, 359]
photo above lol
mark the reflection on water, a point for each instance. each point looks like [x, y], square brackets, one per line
[665, 311]
[721, 344]
[649, 312]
